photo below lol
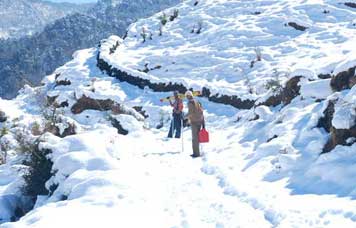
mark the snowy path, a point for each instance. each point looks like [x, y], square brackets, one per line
[217, 190]
[237, 192]
[178, 194]
[144, 180]
[166, 188]
[225, 160]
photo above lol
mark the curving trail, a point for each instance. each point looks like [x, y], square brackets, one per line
[144, 180]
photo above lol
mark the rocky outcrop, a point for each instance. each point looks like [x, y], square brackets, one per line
[120, 130]
[64, 82]
[51, 101]
[339, 137]
[296, 26]
[3, 116]
[168, 87]
[286, 95]
[69, 130]
[140, 110]
[324, 76]
[137, 81]
[326, 121]
[350, 4]
[291, 90]
[343, 80]
[228, 100]
[85, 103]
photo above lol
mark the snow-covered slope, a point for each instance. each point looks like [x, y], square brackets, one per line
[219, 57]
[264, 166]
[141, 179]
[29, 59]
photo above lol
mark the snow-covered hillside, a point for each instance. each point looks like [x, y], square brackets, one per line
[30, 59]
[286, 158]
[220, 56]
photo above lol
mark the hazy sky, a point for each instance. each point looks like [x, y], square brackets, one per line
[74, 1]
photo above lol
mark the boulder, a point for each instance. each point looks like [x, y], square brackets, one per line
[343, 80]
[339, 137]
[287, 94]
[85, 103]
[326, 121]
[3, 116]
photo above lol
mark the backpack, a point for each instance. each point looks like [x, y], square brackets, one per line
[198, 111]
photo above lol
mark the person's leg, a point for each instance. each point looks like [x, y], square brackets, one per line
[171, 129]
[195, 139]
[178, 125]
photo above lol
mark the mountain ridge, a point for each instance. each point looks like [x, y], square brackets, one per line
[24, 17]
[29, 59]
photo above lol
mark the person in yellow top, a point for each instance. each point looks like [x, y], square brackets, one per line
[177, 113]
[196, 119]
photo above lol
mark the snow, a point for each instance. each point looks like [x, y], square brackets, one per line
[264, 113]
[263, 167]
[345, 111]
[219, 58]
[348, 63]
[319, 89]
[114, 180]
[10, 182]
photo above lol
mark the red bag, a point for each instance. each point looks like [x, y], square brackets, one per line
[203, 136]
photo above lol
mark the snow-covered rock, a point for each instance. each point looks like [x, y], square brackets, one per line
[345, 111]
[319, 89]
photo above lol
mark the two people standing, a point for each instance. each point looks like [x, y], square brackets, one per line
[195, 117]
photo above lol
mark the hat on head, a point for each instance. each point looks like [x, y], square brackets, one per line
[189, 93]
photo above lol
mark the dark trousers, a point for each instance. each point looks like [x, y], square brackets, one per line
[195, 138]
[176, 125]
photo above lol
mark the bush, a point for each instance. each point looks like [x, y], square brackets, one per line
[143, 34]
[199, 28]
[39, 172]
[36, 129]
[51, 118]
[4, 131]
[258, 54]
[175, 15]
[160, 31]
[25, 141]
[163, 19]
[15, 122]
[5, 147]
[39, 166]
